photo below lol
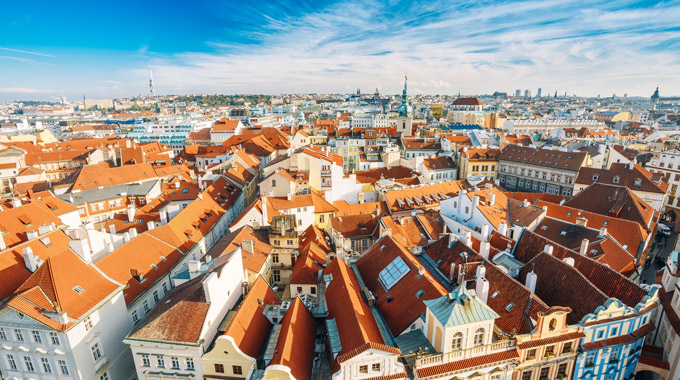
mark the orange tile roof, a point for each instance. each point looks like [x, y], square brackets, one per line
[17, 221]
[250, 327]
[51, 287]
[320, 204]
[314, 235]
[357, 327]
[94, 176]
[449, 189]
[345, 208]
[295, 347]
[308, 265]
[12, 264]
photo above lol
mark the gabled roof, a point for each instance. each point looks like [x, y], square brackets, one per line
[313, 235]
[467, 102]
[612, 200]
[308, 265]
[439, 163]
[250, 327]
[295, 346]
[16, 222]
[184, 306]
[401, 304]
[555, 159]
[53, 288]
[94, 176]
[357, 328]
[636, 179]
[460, 307]
[305, 200]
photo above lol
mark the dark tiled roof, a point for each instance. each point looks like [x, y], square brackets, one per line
[439, 370]
[543, 157]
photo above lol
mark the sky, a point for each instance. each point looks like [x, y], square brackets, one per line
[105, 49]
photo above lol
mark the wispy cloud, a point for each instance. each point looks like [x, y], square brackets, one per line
[24, 90]
[566, 45]
[27, 52]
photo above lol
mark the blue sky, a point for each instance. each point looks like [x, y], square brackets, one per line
[104, 49]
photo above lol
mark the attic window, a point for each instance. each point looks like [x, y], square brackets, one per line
[420, 293]
[544, 228]
[495, 294]
[510, 306]
[185, 191]
[164, 258]
[46, 241]
[563, 233]
[154, 266]
[595, 177]
[593, 251]
[638, 182]
[569, 213]
[78, 289]
[617, 179]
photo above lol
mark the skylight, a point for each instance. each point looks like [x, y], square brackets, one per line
[393, 272]
[510, 306]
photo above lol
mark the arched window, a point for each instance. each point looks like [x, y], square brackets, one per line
[457, 342]
[552, 324]
[479, 337]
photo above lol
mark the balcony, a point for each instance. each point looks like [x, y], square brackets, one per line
[451, 356]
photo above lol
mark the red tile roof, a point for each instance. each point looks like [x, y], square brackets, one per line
[440, 370]
[626, 177]
[612, 200]
[405, 305]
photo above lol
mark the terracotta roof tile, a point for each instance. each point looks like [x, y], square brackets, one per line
[295, 347]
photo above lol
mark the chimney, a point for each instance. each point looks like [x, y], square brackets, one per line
[584, 247]
[150, 225]
[531, 281]
[485, 232]
[248, 245]
[30, 235]
[111, 214]
[30, 259]
[475, 204]
[133, 232]
[177, 184]
[481, 271]
[525, 203]
[467, 238]
[452, 239]
[128, 143]
[503, 229]
[62, 317]
[126, 237]
[109, 247]
[492, 198]
[265, 220]
[112, 229]
[206, 285]
[421, 271]
[200, 183]
[200, 195]
[164, 217]
[3, 246]
[484, 248]
[482, 288]
[452, 271]
[603, 231]
[82, 249]
[288, 196]
[131, 212]
[16, 202]
[194, 267]
[581, 221]
[562, 201]
[548, 249]
[42, 230]
[569, 261]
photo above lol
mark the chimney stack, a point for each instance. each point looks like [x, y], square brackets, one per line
[82, 249]
[30, 235]
[485, 232]
[582, 221]
[531, 281]
[569, 261]
[150, 225]
[603, 231]
[492, 198]
[112, 229]
[549, 249]
[525, 203]
[503, 229]
[133, 232]
[109, 247]
[131, 210]
[248, 245]
[3, 246]
[30, 259]
[584, 247]
[484, 248]
[126, 237]
[482, 288]
[164, 217]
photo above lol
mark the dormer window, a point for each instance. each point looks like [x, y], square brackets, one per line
[596, 177]
[638, 182]
[617, 179]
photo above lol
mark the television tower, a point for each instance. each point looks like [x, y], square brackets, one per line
[152, 91]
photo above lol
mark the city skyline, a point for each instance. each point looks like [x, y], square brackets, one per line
[335, 47]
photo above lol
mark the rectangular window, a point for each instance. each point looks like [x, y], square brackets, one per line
[190, 364]
[3, 336]
[375, 367]
[19, 335]
[63, 367]
[544, 373]
[614, 356]
[237, 370]
[165, 288]
[29, 364]
[175, 362]
[531, 354]
[160, 361]
[526, 375]
[104, 376]
[47, 368]
[550, 351]
[562, 369]
[54, 339]
[275, 258]
[363, 369]
[36, 337]
[12, 363]
[135, 317]
[145, 360]
[567, 348]
[590, 359]
[88, 323]
[96, 352]
[155, 296]
[219, 368]
[146, 306]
